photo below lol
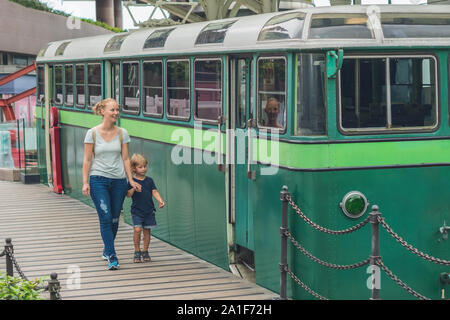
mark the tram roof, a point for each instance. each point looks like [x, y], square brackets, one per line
[242, 33]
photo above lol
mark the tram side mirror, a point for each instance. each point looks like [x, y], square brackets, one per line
[334, 62]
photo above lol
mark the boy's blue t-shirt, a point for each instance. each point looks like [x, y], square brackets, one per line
[143, 201]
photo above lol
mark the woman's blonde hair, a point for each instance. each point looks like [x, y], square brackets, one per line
[136, 159]
[99, 106]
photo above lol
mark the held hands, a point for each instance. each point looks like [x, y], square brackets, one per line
[161, 204]
[136, 186]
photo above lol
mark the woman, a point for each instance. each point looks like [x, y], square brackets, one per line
[106, 165]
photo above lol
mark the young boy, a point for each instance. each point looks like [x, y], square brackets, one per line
[142, 208]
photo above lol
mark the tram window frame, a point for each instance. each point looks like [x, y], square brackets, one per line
[115, 79]
[220, 90]
[78, 85]
[299, 127]
[386, 129]
[144, 87]
[40, 70]
[56, 84]
[167, 98]
[68, 85]
[138, 86]
[258, 99]
[89, 85]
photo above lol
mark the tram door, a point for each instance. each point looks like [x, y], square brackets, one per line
[241, 185]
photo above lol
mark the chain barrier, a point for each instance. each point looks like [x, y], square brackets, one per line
[53, 286]
[380, 263]
[326, 264]
[304, 286]
[323, 229]
[375, 218]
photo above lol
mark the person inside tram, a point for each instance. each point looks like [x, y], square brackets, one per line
[272, 110]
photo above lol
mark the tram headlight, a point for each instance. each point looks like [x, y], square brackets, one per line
[354, 204]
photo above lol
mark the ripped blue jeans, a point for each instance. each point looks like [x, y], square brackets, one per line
[108, 196]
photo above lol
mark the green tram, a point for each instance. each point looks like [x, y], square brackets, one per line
[326, 101]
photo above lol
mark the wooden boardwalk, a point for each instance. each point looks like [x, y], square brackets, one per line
[55, 233]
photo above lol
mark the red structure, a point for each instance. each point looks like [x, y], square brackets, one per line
[6, 104]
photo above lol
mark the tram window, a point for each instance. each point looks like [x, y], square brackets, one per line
[153, 88]
[415, 25]
[40, 84]
[68, 85]
[115, 69]
[311, 110]
[178, 97]
[79, 77]
[208, 89]
[94, 84]
[130, 85]
[157, 39]
[214, 32]
[272, 92]
[58, 94]
[408, 99]
[62, 47]
[285, 26]
[115, 43]
[339, 26]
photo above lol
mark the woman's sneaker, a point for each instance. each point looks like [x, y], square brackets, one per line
[104, 256]
[113, 263]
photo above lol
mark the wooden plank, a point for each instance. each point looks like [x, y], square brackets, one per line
[52, 233]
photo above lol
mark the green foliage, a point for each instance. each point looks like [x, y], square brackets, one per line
[12, 288]
[35, 4]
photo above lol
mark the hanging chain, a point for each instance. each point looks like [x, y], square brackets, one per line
[326, 264]
[10, 254]
[323, 229]
[304, 286]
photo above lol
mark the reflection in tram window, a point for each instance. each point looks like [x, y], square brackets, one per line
[178, 103]
[58, 94]
[285, 26]
[153, 88]
[79, 76]
[311, 111]
[68, 85]
[339, 26]
[208, 89]
[272, 92]
[94, 84]
[157, 39]
[408, 99]
[214, 32]
[415, 25]
[115, 80]
[130, 82]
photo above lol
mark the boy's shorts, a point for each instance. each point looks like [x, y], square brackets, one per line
[147, 221]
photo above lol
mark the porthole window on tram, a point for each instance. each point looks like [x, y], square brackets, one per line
[339, 26]
[272, 92]
[388, 93]
[58, 94]
[115, 43]
[130, 85]
[62, 47]
[79, 78]
[208, 89]
[285, 26]
[311, 111]
[153, 88]
[178, 103]
[415, 25]
[40, 84]
[68, 85]
[94, 84]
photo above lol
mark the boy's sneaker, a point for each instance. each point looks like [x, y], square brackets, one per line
[113, 263]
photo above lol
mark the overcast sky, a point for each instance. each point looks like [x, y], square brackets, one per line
[86, 9]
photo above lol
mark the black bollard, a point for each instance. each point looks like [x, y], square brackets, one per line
[284, 226]
[375, 250]
[54, 286]
[9, 263]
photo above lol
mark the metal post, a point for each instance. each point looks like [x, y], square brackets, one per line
[375, 252]
[53, 287]
[9, 263]
[284, 225]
